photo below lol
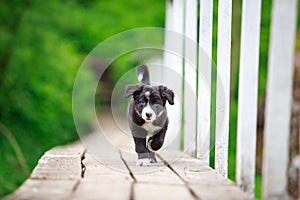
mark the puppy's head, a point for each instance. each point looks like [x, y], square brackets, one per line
[149, 101]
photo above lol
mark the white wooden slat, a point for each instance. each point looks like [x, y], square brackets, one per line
[278, 99]
[204, 83]
[248, 89]
[190, 49]
[167, 59]
[167, 39]
[169, 26]
[173, 60]
[223, 86]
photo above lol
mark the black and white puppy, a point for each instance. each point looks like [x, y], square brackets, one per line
[147, 115]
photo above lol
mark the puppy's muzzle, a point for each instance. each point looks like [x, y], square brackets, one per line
[148, 114]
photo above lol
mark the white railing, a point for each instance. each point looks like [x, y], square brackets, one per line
[248, 86]
[194, 19]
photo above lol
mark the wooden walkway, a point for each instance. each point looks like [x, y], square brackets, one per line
[70, 172]
[73, 172]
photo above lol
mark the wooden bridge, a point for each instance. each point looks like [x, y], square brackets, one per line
[70, 172]
[73, 172]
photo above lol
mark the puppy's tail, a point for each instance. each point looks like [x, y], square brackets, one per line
[143, 74]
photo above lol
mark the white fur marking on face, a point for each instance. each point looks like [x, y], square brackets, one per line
[147, 94]
[140, 77]
[148, 110]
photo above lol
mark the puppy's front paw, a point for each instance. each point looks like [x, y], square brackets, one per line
[152, 157]
[145, 162]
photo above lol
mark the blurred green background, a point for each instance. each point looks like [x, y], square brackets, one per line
[42, 44]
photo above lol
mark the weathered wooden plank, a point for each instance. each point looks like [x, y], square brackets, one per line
[202, 180]
[99, 181]
[36, 189]
[60, 163]
[96, 168]
[158, 191]
[190, 52]
[219, 192]
[158, 180]
[56, 176]
[106, 150]
[161, 175]
[199, 173]
[278, 99]
[248, 89]
[223, 86]
[73, 149]
[204, 80]
[58, 167]
[105, 143]
[102, 182]
[196, 174]
[103, 187]
[156, 173]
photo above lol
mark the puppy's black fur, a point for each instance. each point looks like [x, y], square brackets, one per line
[147, 115]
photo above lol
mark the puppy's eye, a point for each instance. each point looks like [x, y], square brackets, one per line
[142, 103]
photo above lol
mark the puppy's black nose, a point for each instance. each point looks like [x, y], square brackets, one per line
[148, 115]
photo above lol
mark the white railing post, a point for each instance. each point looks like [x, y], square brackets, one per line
[223, 86]
[278, 99]
[173, 64]
[190, 101]
[205, 66]
[248, 89]
[167, 61]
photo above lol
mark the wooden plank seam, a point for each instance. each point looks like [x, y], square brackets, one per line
[168, 165]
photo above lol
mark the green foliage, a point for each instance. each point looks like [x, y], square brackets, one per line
[264, 46]
[42, 45]
[36, 89]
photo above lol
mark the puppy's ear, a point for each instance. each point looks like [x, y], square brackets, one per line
[132, 90]
[167, 94]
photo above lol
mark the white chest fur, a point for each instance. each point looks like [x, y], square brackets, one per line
[150, 128]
